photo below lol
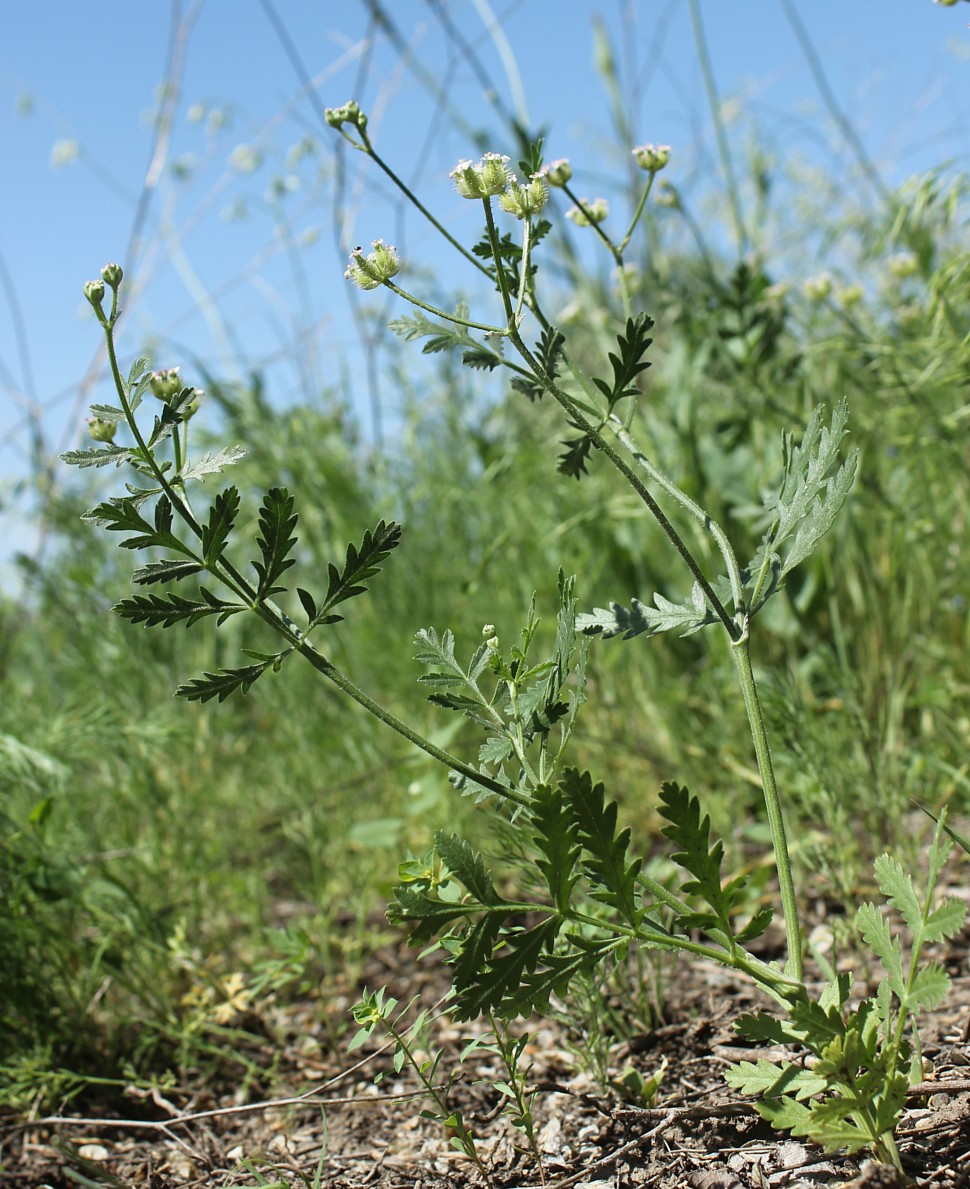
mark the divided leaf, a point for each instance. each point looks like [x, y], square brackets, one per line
[359, 565]
[169, 609]
[212, 464]
[222, 683]
[810, 496]
[222, 517]
[638, 618]
[277, 521]
[613, 876]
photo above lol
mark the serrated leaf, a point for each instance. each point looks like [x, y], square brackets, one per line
[212, 464]
[168, 570]
[361, 563]
[555, 837]
[638, 618]
[499, 987]
[122, 515]
[614, 878]
[928, 988]
[101, 456]
[574, 459]
[810, 496]
[692, 834]
[946, 920]
[767, 1077]
[824, 1123]
[467, 866]
[169, 609]
[221, 684]
[108, 413]
[222, 517]
[877, 935]
[897, 886]
[277, 521]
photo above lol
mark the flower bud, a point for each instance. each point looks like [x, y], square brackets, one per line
[527, 200]
[818, 288]
[102, 431]
[349, 113]
[668, 196]
[94, 292]
[191, 407]
[850, 295]
[112, 275]
[166, 384]
[589, 213]
[903, 264]
[372, 270]
[652, 157]
[490, 176]
[558, 172]
[488, 629]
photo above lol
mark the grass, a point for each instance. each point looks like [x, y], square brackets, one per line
[164, 866]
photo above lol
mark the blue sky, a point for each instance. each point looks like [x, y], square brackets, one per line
[245, 231]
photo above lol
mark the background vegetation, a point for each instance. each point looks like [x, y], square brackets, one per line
[170, 874]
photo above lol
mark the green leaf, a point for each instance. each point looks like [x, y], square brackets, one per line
[574, 459]
[169, 609]
[556, 839]
[692, 834]
[222, 517]
[629, 363]
[101, 456]
[169, 570]
[306, 601]
[548, 352]
[222, 683]
[277, 521]
[361, 564]
[212, 464]
[664, 616]
[767, 1077]
[946, 920]
[897, 886]
[810, 496]
[613, 876]
[122, 515]
[877, 935]
[467, 866]
[928, 988]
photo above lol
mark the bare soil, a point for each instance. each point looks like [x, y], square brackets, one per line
[320, 1120]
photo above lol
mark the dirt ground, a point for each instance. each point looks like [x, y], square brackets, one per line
[337, 1128]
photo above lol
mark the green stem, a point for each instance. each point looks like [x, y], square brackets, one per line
[625, 438]
[776, 820]
[583, 423]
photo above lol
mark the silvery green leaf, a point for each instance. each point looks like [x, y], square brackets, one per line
[211, 464]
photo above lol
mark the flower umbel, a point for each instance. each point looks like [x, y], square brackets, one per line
[101, 430]
[558, 172]
[489, 177]
[166, 384]
[372, 270]
[652, 157]
[526, 200]
[591, 211]
[348, 113]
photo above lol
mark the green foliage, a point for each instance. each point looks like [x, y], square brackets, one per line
[570, 898]
[854, 1092]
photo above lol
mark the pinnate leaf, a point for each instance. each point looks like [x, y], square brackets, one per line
[614, 876]
[360, 564]
[212, 464]
[168, 609]
[222, 683]
[277, 521]
[222, 517]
